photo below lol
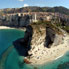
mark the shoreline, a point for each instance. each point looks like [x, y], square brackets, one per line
[6, 27]
[48, 55]
[45, 55]
[59, 57]
[49, 60]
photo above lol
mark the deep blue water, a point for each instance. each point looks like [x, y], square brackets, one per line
[12, 61]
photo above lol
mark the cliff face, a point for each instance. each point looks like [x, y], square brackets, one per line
[39, 34]
[22, 45]
[38, 38]
[42, 43]
[44, 36]
[53, 37]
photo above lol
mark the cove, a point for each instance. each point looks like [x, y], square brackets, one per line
[12, 62]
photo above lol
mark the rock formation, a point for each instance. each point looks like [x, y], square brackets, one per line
[45, 36]
[63, 66]
[38, 36]
[22, 45]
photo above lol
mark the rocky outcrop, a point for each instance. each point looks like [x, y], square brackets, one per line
[38, 37]
[44, 36]
[22, 45]
[63, 66]
[26, 61]
[52, 38]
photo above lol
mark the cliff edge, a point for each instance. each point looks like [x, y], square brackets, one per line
[41, 43]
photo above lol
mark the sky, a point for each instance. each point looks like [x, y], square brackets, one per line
[25, 3]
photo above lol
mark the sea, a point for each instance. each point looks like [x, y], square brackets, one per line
[7, 36]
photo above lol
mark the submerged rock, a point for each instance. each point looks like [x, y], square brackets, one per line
[63, 66]
[26, 61]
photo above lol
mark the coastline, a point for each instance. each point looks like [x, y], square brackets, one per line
[6, 52]
[45, 55]
[5, 27]
[48, 60]
[59, 57]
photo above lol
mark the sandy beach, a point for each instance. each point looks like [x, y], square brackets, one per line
[5, 27]
[43, 55]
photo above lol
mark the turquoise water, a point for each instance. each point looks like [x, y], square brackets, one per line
[16, 65]
[7, 37]
[55, 63]
[12, 61]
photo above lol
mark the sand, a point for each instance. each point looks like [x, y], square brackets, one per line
[43, 55]
[5, 27]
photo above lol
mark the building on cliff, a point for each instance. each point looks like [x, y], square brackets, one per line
[22, 19]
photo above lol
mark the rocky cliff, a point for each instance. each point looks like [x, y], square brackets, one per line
[38, 37]
[45, 35]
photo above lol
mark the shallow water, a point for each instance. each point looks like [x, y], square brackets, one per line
[54, 64]
[12, 61]
[7, 37]
[17, 65]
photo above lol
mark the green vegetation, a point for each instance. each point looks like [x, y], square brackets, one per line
[66, 28]
[1, 13]
[47, 24]
[41, 23]
[60, 9]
